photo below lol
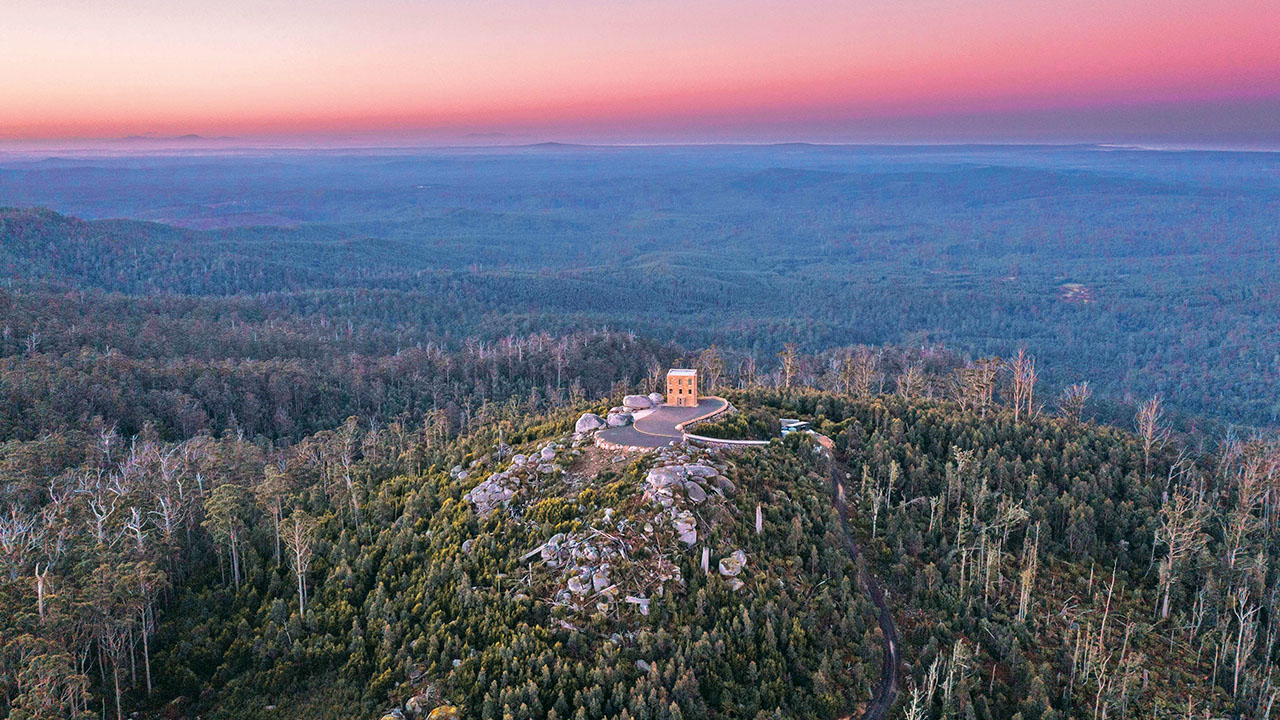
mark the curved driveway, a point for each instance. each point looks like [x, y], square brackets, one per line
[658, 428]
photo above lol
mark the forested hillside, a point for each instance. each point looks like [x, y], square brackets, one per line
[296, 438]
[1037, 567]
[1041, 568]
[1143, 272]
[350, 573]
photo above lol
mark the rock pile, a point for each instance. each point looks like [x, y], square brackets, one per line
[493, 492]
[500, 488]
[666, 484]
[686, 527]
[618, 416]
[590, 422]
[605, 564]
[732, 565]
[679, 484]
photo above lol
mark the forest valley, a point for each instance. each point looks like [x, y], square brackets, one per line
[1038, 565]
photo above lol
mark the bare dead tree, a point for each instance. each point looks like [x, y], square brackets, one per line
[16, 530]
[790, 358]
[1027, 575]
[40, 583]
[1023, 370]
[348, 443]
[917, 709]
[1151, 429]
[653, 377]
[560, 354]
[149, 581]
[1182, 519]
[712, 365]
[911, 382]
[102, 505]
[975, 384]
[958, 667]
[299, 535]
[842, 366]
[1245, 613]
[135, 526]
[746, 372]
[1250, 483]
[862, 368]
[1072, 401]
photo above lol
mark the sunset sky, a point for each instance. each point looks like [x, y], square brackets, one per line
[641, 70]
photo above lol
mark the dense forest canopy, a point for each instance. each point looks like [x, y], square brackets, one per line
[1037, 567]
[294, 434]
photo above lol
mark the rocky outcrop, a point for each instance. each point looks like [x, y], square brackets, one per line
[492, 493]
[618, 419]
[425, 703]
[694, 479]
[686, 527]
[499, 489]
[637, 402]
[625, 558]
[701, 471]
[588, 422]
[680, 483]
[660, 484]
[604, 566]
[657, 398]
[731, 566]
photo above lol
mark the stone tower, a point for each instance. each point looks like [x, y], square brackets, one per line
[682, 387]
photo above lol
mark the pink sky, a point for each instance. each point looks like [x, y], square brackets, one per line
[705, 68]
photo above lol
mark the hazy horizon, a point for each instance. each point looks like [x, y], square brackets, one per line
[1128, 72]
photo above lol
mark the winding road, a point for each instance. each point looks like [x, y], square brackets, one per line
[887, 691]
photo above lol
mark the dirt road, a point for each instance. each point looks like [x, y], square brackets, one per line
[887, 691]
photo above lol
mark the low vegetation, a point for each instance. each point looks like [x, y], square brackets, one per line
[758, 424]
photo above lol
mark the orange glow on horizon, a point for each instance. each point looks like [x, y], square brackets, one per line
[295, 67]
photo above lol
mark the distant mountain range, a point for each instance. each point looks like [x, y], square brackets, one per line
[189, 137]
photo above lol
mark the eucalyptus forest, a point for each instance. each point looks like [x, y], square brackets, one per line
[300, 434]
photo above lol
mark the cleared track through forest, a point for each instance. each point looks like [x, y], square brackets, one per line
[887, 691]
